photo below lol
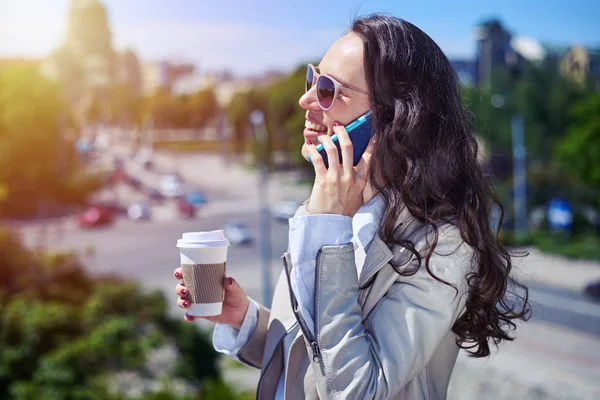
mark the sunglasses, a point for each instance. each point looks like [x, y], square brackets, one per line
[327, 87]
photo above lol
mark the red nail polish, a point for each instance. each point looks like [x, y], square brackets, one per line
[189, 317]
[336, 123]
[230, 281]
[178, 275]
[308, 141]
[183, 292]
[186, 303]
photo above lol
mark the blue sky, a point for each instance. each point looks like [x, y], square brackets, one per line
[249, 36]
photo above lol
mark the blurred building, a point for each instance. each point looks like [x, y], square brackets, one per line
[494, 52]
[163, 75]
[581, 64]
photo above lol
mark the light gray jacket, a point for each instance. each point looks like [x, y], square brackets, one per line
[391, 340]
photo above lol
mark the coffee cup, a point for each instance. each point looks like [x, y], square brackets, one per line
[203, 260]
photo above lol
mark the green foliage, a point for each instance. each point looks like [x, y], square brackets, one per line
[541, 96]
[577, 247]
[62, 332]
[284, 117]
[37, 162]
[195, 111]
[579, 151]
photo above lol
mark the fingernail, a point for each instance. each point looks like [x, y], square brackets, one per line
[308, 141]
[230, 281]
[186, 303]
[189, 317]
[336, 123]
[178, 275]
[184, 292]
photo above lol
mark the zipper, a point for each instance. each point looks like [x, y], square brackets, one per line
[316, 349]
[310, 337]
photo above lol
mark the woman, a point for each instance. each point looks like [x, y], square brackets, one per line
[392, 266]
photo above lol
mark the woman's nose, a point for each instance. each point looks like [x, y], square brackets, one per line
[308, 100]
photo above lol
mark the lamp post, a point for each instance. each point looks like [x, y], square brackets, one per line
[519, 176]
[519, 169]
[257, 119]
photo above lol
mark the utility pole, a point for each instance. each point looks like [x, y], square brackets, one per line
[519, 176]
[257, 119]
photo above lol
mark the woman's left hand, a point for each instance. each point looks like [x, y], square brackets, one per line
[339, 188]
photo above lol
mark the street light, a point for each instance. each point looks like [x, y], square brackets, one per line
[519, 169]
[257, 119]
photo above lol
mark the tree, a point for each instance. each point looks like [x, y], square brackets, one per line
[579, 151]
[284, 117]
[63, 333]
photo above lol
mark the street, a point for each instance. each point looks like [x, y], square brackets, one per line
[563, 339]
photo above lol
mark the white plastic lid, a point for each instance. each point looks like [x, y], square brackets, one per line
[203, 239]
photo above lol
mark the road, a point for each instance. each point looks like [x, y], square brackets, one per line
[145, 251]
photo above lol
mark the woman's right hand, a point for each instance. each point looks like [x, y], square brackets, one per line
[235, 303]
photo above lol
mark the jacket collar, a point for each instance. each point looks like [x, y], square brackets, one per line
[379, 253]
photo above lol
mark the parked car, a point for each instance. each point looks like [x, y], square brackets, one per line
[185, 209]
[284, 210]
[154, 195]
[195, 198]
[592, 291]
[238, 233]
[139, 211]
[171, 185]
[95, 216]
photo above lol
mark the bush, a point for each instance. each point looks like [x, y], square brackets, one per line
[63, 333]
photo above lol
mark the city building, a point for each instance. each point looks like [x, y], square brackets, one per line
[581, 64]
[163, 75]
[494, 51]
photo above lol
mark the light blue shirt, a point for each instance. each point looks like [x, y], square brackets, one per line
[307, 234]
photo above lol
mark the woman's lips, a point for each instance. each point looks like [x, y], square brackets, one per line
[310, 134]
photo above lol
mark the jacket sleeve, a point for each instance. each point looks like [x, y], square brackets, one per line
[405, 327]
[252, 352]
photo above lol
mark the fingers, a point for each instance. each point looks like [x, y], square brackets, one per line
[189, 318]
[181, 290]
[317, 160]
[332, 153]
[178, 274]
[183, 302]
[346, 147]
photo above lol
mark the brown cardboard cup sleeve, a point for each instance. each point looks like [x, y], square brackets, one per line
[204, 282]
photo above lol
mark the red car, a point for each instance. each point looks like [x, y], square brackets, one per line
[95, 216]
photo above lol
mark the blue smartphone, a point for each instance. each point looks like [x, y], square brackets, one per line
[360, 132]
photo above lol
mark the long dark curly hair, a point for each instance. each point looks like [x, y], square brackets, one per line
[427, 161]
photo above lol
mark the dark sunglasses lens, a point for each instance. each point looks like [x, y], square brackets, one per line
[325, 91]
[310, 76]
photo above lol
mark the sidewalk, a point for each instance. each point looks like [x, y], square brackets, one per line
[554, 270]
[543, 362]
